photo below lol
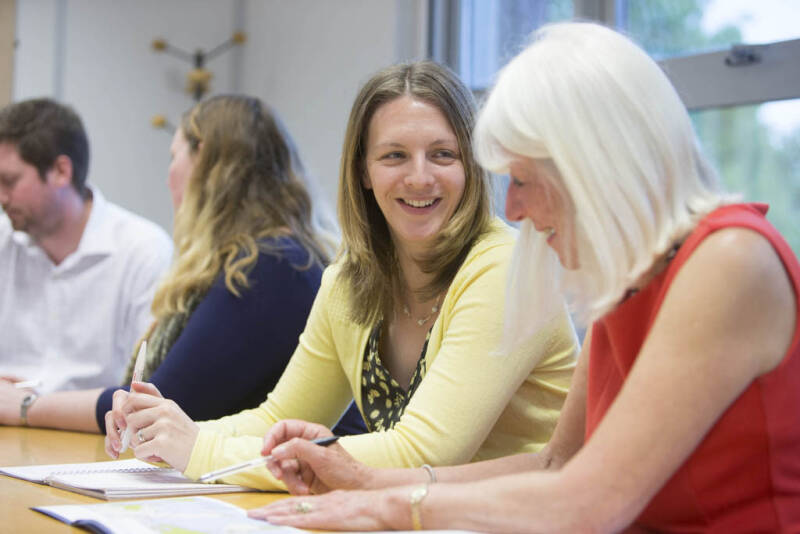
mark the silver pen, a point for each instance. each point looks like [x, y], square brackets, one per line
[138, 369]
[213, 475]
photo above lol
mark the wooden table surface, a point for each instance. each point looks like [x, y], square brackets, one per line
[31, 446]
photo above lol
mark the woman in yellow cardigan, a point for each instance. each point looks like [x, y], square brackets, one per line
[405, 321]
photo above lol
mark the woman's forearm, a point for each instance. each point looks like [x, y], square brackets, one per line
[530, 502]
[495, 468]
[520, 503]
[66, 410]
[389, 477]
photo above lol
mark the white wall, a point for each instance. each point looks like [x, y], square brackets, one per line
[306, 58]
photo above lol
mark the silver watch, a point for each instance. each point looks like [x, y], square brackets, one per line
[27, 402]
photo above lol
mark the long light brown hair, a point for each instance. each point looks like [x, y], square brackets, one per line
[369, 262]
[245, 186]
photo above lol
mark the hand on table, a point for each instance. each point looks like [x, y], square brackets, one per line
[307, 468]
[342, 510]
[160, 430]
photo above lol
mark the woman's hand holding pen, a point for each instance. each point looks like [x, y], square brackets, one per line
[307, 468]
[115, 423]
[161, 430]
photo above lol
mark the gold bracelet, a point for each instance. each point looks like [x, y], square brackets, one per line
[417, 495]
[431, 473]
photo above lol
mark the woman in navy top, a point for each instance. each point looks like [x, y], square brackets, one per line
[248, 264]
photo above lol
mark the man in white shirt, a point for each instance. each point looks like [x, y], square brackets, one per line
[77, 273]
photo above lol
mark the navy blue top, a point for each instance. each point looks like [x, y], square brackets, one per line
[234, 349]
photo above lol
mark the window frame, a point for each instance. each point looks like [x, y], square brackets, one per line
[703, 80]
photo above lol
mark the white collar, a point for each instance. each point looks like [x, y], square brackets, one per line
[97, 238]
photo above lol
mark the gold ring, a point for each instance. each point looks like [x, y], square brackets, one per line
[303, 507]
[139, 435]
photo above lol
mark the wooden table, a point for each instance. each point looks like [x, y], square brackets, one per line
[30, 446]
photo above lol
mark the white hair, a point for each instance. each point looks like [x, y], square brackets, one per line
[590, 102]
[534, 272]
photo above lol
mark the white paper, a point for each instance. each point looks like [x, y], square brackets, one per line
[186, 514]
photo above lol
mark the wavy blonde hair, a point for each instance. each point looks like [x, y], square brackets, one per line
[369, 263]
[245, 186]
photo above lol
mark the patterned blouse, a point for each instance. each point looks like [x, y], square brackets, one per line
[382, 398]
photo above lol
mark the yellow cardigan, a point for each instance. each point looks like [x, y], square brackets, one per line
[471, 405]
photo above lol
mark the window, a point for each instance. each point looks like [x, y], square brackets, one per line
[755, 146]
[493, 32]
[733, 62]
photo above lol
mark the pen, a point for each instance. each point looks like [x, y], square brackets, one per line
[27, 384]
[138, 369]
[213, 475]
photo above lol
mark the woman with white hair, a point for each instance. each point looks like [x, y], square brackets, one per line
[682, 415]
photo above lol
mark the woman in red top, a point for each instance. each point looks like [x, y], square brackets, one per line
[684, 413]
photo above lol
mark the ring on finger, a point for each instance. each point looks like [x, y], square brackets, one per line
[303, 507]
[140, 436]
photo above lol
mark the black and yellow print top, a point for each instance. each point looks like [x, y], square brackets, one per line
[382, 399]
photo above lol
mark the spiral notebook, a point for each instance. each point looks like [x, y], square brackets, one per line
[119, 479]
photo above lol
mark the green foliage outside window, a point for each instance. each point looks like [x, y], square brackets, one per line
[751, 157]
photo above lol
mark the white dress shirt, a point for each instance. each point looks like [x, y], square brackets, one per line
[74, 325]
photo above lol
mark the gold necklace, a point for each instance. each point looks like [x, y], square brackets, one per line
[423, 320]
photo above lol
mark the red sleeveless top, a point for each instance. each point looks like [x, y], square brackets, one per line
[744, 477]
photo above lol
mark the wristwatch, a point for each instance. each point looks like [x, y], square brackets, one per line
[416, 497]
[27, 402]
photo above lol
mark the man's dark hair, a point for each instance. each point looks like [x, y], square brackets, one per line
[42, 129]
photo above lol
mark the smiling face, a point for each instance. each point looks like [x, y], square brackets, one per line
[180, 167]
[414, 169]
[533, 193]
